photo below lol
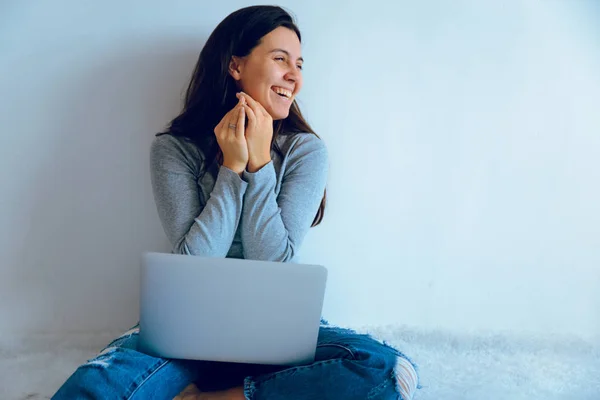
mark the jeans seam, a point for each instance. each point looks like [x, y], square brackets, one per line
[375, 391]
[154, 371]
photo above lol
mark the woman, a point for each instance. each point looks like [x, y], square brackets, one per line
[239, 173]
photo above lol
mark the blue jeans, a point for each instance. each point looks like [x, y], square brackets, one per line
[347, 366]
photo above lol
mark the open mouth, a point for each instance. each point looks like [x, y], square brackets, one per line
[285, 93]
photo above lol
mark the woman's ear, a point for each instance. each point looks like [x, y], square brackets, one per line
[235, 68]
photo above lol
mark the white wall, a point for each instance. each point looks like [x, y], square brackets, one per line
[464, 142]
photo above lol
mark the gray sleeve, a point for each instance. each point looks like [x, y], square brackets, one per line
[273, 228]
[192, 226]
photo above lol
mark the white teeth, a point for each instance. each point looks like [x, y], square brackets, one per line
[285, 92]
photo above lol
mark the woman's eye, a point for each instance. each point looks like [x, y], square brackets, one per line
[280, 59]
[300, 67]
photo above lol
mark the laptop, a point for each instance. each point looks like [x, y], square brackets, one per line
[230, 310]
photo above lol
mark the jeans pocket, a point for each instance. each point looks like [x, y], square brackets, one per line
[331, 351]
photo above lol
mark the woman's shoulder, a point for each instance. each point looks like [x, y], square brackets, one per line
[298, 145]
[167, 146]
[170, 142]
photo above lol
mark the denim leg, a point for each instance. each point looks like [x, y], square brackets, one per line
[121, 372]
[347, 366]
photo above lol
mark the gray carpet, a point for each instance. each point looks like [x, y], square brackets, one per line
[483, 367]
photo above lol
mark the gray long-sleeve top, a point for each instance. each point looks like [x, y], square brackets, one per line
[209, 210]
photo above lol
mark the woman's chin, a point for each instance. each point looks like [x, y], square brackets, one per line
[278, 114]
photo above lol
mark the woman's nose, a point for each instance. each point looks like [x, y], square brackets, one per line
[293, 74]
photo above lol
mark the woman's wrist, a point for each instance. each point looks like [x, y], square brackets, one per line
[255, 165]
[237, 168]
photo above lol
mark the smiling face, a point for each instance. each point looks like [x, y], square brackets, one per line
[272, 73]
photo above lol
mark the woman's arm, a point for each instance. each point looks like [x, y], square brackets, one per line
[193, 226]
[273, 228]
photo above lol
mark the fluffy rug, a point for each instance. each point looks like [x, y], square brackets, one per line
[482, 367]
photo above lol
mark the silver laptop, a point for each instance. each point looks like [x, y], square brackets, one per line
[232, 310]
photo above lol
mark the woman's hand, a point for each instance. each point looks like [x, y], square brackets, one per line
[259, 133]
[231, 138]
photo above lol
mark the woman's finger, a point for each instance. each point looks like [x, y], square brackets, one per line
[240, 129]
[232, 119]
[250, 113]
[254, 105]
[221, 128]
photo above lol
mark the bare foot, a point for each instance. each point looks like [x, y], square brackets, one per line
[191, 392]
[231, 394]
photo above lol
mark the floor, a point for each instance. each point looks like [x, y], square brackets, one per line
[451, 366]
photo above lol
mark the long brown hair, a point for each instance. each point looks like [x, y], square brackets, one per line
[211, 92]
